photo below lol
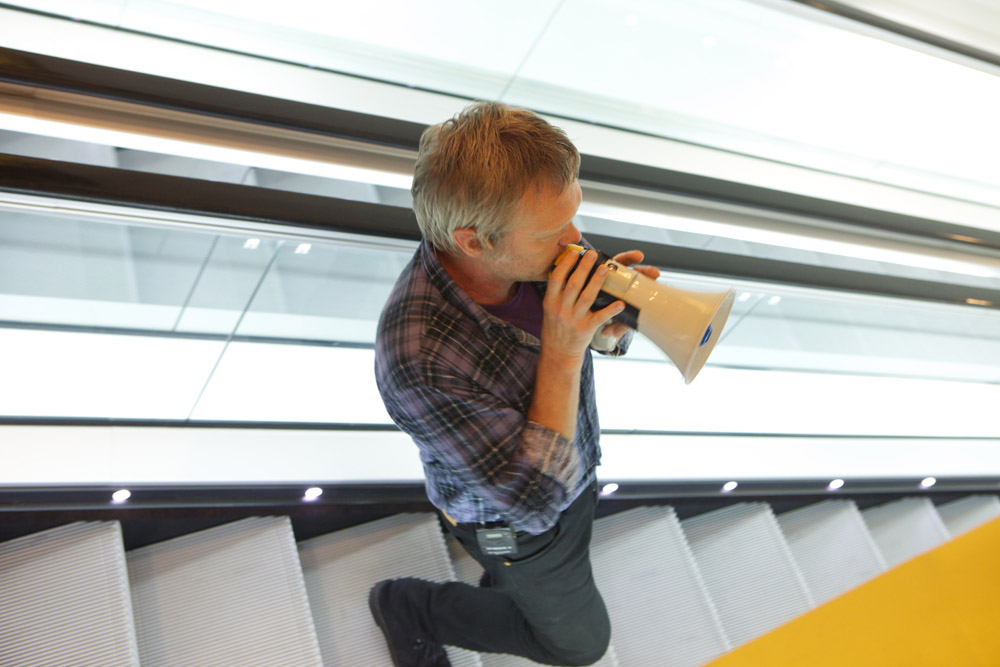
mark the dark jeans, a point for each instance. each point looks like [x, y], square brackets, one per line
[541, 604]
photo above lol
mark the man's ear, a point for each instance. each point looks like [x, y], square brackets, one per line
[468, 241]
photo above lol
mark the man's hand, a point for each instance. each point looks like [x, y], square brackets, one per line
[568, 324]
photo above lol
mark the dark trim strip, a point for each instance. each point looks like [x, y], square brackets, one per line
[122, 187]
[779, 436]
[94, 422]
[158, 496]
[58, 74]
[908, 31]
[185, 335]
[391, 428]
[797, 486]
[290, 495]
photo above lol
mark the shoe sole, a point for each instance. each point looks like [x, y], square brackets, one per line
[376, 610]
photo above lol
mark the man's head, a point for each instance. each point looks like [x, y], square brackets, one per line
[474, 170]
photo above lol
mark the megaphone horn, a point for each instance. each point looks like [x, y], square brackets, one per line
[685, 324]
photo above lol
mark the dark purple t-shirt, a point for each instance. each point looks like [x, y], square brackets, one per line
[524, 310]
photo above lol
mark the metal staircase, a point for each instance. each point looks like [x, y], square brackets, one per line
[680, 593]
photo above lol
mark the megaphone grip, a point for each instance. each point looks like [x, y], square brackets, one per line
[630, 316]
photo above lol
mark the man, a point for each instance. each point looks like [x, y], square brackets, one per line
[482, 357]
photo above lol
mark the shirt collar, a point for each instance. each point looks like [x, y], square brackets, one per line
[455, 295]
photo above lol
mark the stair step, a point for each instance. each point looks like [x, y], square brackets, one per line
[748, 569]
[832, 547]
[962, 515]
[340, 569]
[661, 612]
[905, 528]
[64, 598]
[679, 593]
[230, 595]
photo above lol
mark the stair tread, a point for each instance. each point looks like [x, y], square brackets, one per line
[340, 568]
[233, 594]
[64, 598]
[748, 569]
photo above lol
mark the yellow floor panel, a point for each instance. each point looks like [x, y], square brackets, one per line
[939, 609]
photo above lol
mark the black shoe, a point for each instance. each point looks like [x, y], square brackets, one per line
[408, 644]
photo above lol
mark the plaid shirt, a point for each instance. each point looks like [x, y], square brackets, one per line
[459, 381]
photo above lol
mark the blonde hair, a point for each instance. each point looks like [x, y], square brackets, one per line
[473, 170]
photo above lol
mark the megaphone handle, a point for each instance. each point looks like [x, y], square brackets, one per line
[629, 317]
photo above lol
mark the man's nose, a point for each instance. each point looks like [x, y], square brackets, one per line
[571, 235]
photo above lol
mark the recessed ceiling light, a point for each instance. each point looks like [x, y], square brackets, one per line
[251, 244]
[609, 489]
[729, 486]
[312, 494]
[303, 249]
[121, 496]
[835, 484]
[928, 482]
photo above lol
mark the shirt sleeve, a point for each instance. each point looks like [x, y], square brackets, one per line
[520, 467]
[621, 347]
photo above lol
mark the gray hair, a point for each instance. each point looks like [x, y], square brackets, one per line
[473, 170]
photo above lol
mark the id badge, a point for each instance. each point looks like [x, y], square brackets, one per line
[497, 541]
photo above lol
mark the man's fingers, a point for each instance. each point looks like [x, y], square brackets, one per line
[606, 313]
[629, 257]
[577, 284]
[648, 271]
[589, 293]
[557, 278]
[576, 292]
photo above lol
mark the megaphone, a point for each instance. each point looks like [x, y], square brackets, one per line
[685, 324]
